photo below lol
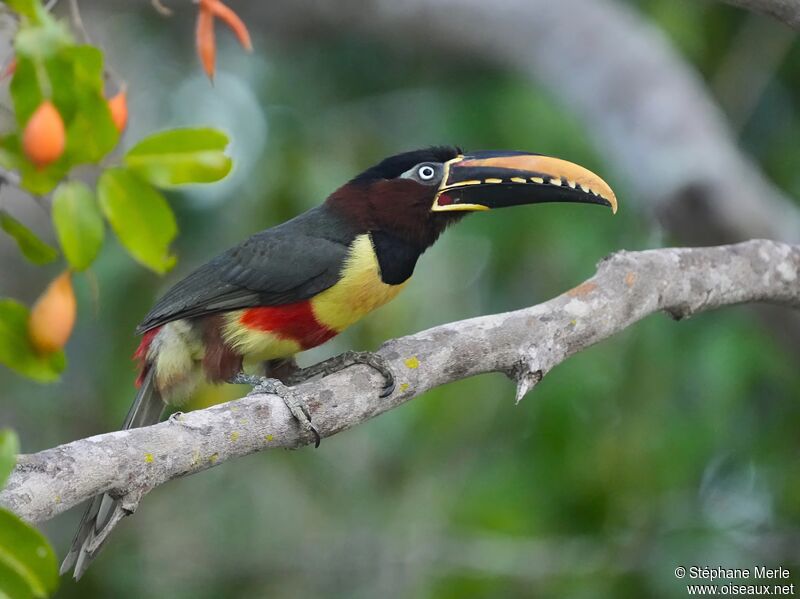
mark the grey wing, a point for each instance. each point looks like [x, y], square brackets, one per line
[270, 268]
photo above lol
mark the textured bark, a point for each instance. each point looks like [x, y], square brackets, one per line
[525, 344]
[787, 11]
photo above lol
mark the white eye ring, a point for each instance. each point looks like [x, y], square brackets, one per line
[426, 172]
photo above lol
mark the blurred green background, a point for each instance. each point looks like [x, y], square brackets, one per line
[671, 444]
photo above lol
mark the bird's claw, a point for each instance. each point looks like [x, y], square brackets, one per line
[276, 387]
[388, 384]
[377, 363]
[345, 360]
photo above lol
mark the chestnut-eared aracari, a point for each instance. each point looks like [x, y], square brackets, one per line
[297, 285]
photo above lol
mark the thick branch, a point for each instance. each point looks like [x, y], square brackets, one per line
[787, 11]
[525, 344]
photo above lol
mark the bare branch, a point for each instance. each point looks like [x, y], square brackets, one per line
[161, 8]
[525, 345]
[787, 11]
[77, 20]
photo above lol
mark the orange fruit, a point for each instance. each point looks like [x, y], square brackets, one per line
[53, 315]
[44, 137]
[118, 105]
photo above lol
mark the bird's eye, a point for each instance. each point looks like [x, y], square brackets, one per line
[426, 172]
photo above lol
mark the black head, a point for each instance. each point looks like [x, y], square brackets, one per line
[416, 195]
[394, 166]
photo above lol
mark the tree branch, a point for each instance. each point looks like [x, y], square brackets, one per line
[787, 11]
[645, 107]
[525, 345]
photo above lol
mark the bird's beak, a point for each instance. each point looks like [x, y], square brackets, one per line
[486, 180]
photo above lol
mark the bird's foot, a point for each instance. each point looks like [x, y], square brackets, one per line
[275, 387]
[345, 360]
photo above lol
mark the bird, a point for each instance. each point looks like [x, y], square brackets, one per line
[295, 286]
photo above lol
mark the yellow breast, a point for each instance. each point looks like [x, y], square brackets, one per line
[358, 292]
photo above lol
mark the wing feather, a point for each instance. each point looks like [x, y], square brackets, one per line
[285, 264]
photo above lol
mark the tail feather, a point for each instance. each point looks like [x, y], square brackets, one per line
[105, 512]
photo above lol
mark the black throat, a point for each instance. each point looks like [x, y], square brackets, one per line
[396, 257]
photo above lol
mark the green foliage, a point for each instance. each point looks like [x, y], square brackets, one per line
[16, 350]
[9, 447]
[180, 156]
[33, 248]
[34, 12]
[50, 66]
[91, 133]
[27, 562]
[31, 9]
[28, 566]
[140, 216]
[78, 223]
[72, 78]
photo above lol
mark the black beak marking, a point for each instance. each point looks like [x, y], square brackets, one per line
[498, 174]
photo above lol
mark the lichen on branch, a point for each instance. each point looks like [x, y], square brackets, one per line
[524, 344]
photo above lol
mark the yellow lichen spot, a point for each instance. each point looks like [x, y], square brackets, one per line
[148, 458]
[412, 362]
[234, 436]
[213, 458]
[269, 438]
[58, 498]
[404, 387]
[573, 322]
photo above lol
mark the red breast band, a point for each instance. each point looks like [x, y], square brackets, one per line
[295, 322]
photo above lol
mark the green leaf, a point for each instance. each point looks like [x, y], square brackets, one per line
[8, 160]
[78, 223]
[91, 133]
[34, 180]
[33, 248]
[180, 156]
[9, 448]
[12, 584]
[40, 182]
[47, 37]
[26, 8]
[140, 216]
[16, 350]
[25, 552]
[25, 91]
[32, 9]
